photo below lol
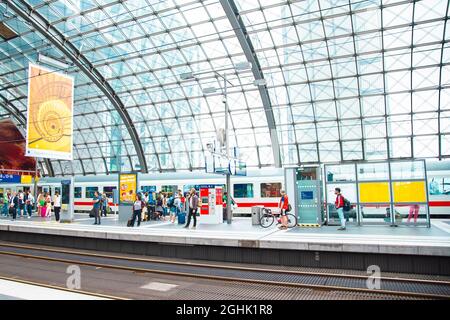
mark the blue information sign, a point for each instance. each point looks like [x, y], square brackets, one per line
[9, 178]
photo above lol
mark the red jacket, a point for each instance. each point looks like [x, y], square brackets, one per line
[285, 203]
[339, 203]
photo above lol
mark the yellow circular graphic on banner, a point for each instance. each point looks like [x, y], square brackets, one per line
[50, 111]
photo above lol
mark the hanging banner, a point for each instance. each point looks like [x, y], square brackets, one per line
[12, 150]
[128, 186]
[50, 114]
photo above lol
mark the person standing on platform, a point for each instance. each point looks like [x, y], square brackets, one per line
[175, 208]
[5, 208]
[48, 205]
[97, 203]
[57, 205]
[104, 204]
[339, 204]
[13, 205]
[137, 210]
[224, 201]
[413, 210]
[21, 206]
[29, 203]
[193, 207]
[283, 206]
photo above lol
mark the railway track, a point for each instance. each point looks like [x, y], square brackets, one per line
[389, 286]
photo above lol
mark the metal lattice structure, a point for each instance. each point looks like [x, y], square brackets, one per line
[345, 80]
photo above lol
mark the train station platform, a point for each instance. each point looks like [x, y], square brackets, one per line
[24, 290]
[401, 249]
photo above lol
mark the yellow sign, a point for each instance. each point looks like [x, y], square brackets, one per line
[374, 192]
[50, 114]
[410, 191]
[26, 179]
[128, 186]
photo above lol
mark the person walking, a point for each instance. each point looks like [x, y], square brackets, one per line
[57, 205]
[193, 207]
[29, 204]
[283, 206]
[339, 204]
[97, 203]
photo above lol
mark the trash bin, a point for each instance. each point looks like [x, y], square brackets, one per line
[256, 214]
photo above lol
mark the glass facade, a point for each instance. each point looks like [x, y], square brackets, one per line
[346, 80]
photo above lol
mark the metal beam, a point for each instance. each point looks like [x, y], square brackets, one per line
[20, 118]
[241, 33]
[67, 48]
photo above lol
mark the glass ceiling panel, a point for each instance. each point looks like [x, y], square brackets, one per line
[340, 75]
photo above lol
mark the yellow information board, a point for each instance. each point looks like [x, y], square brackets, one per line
[409, 191]
[374, 192]
[26, 179]
[128, 186]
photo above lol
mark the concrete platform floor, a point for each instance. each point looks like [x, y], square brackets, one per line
[412, 239]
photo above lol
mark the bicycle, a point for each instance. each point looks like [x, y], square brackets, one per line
[268, 218]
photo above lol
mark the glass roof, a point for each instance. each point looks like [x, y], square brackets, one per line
[347, 80]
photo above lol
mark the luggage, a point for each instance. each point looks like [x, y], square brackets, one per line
[347, 205]
[91, 213]
[129, 223]
[43, 211]
[181, 218]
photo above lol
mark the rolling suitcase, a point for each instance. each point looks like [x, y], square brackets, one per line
[181, 218]
[129, 222]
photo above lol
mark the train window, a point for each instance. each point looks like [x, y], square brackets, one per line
[169, 189]
[109, 191]
[148, 188]
[270, 190]
[78, 192]
[90, 191]
[243, 190]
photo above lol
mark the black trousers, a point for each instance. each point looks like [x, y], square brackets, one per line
[13, 211]
[192, 213]
[136, 214]
[97, 215]
[57, 211]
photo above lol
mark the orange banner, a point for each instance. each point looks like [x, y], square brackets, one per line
[50, 114]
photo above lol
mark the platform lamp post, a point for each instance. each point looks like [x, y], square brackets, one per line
[242, 66]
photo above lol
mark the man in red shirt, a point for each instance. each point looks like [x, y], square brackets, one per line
[283, 207]
[339, 203]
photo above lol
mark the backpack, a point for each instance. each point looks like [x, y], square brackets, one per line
[170, 202]
[347, 205]
[289, 208]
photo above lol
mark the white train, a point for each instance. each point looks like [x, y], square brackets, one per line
[259, 187]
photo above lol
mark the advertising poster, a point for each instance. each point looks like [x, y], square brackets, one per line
[128, 186]
[50, 114]
[13, 149]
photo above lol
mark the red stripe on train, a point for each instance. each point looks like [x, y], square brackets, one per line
[273, 204]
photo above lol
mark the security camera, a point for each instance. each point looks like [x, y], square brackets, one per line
[224, 100]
